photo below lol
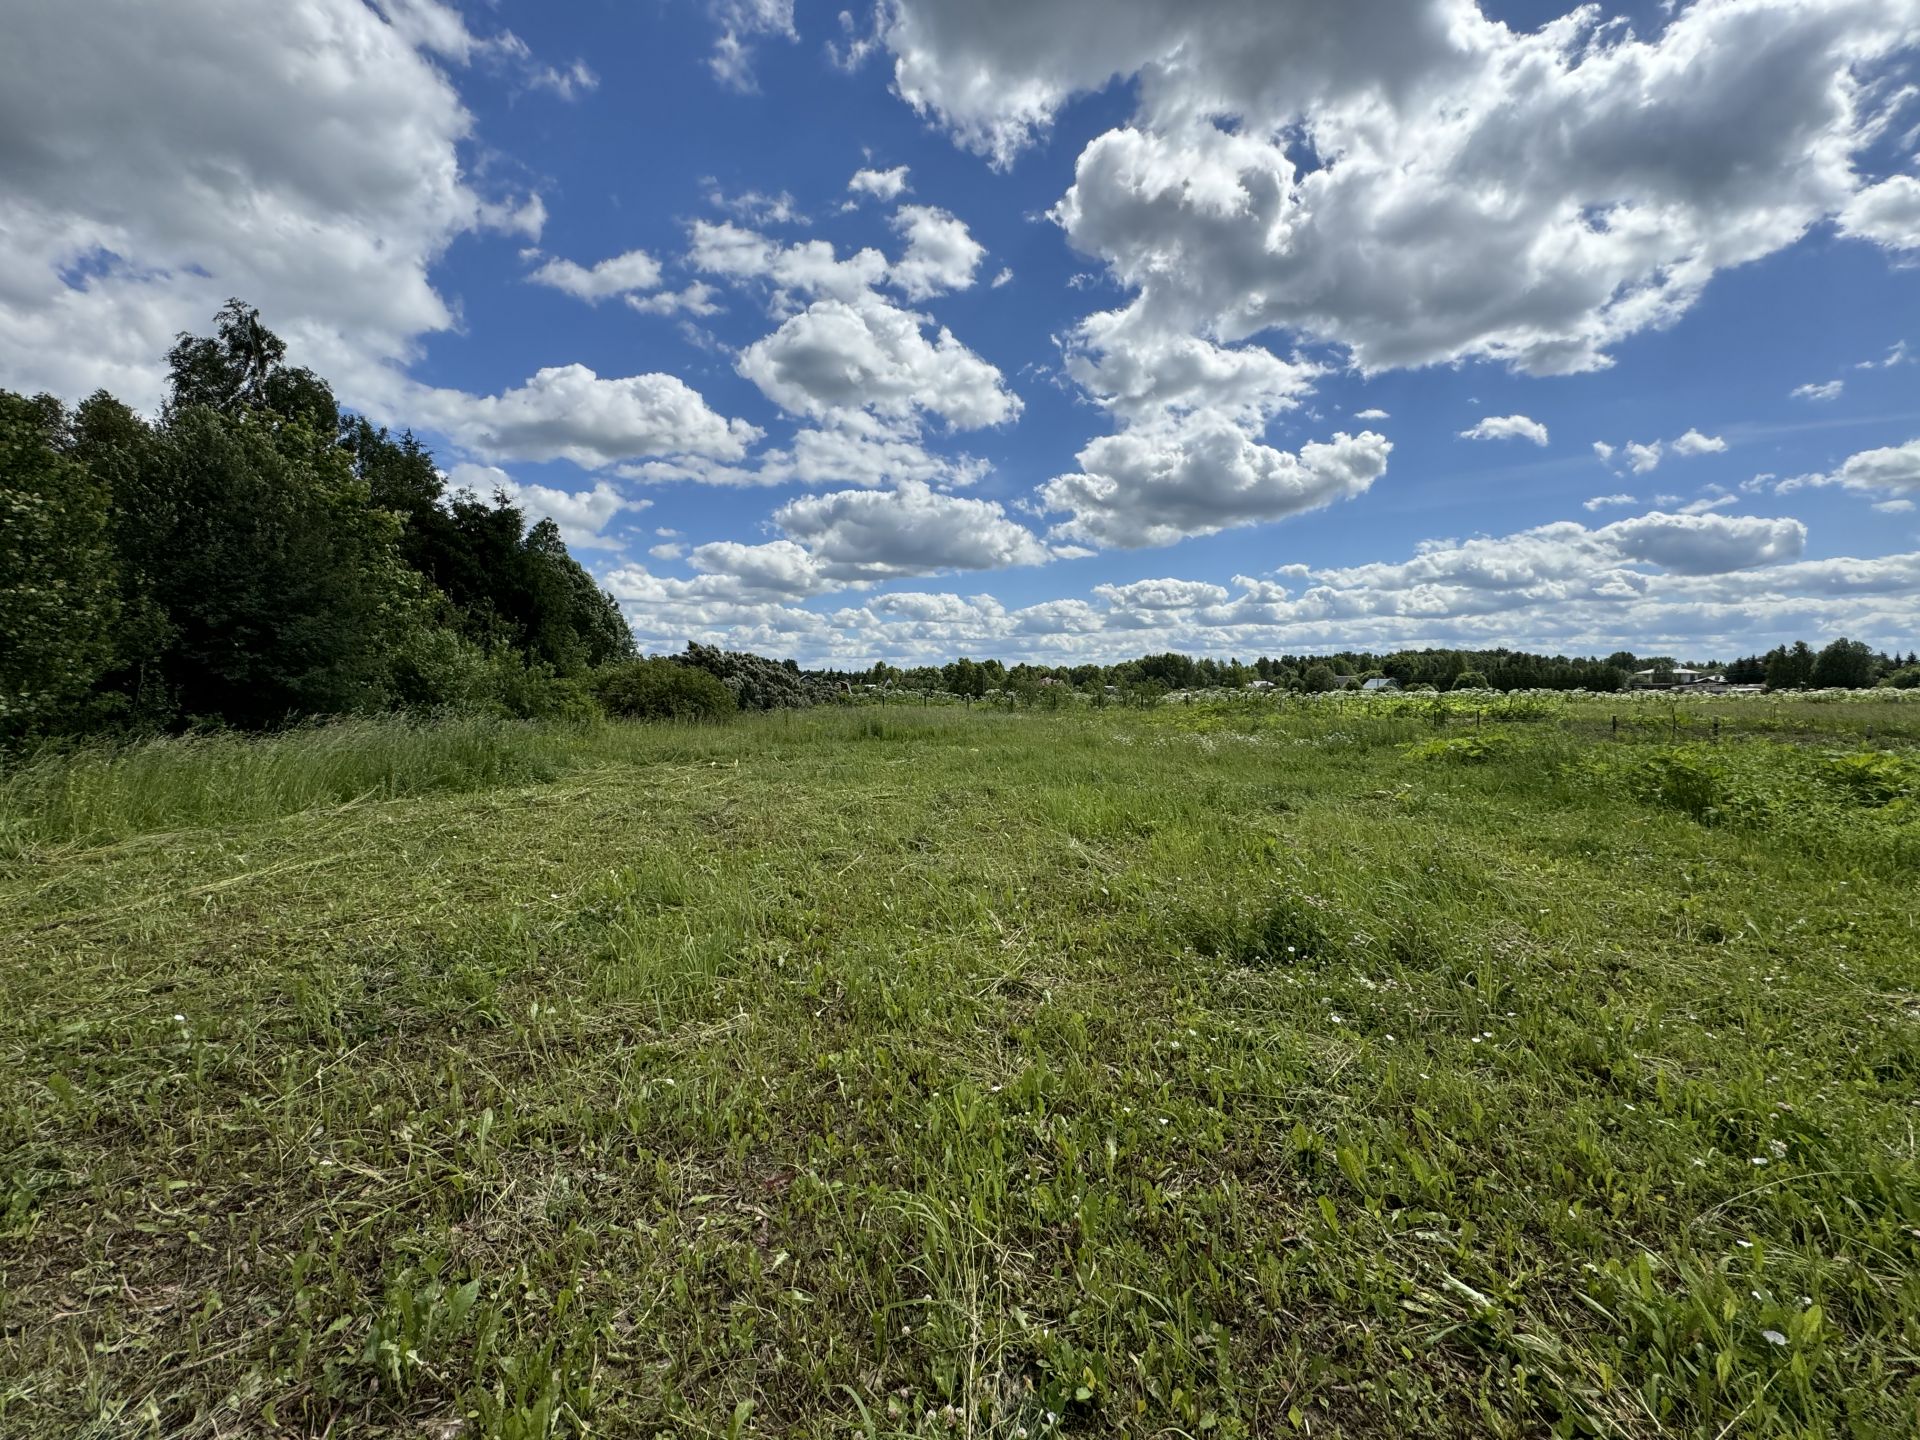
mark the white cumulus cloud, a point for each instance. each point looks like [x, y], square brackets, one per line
[940, 256]
[1694, 443]
[306, 157]
[863, 353]
[1160, 484]
[1642, 458]
[567, 412]
[1617, 171]
[618, 275]
[884, 185]
[1887, 214]
[1507, 427]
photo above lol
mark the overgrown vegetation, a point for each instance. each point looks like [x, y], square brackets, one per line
[1217, 1069]
[258, 556]
[662, 690]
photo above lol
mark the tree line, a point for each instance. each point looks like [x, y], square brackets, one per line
[1842, 664]
[256, 555]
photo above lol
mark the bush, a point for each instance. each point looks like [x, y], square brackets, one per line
[662, 690]
[1475, 749]
[437, 670]
[1470, 680]
[755, 682]
[527, 689]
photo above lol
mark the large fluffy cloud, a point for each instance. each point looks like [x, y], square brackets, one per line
[940, 256]
[1568, 559]
[1142, 372]
[911, 530]
[160, 158]
[1893, 468]
[863, 353]
[616, 275]
[567, 412]
[1158, 484]
[1162, 595]
[1703, 544]
[1416, 181]
[861, 537]
[864, 372]
[1407, 179]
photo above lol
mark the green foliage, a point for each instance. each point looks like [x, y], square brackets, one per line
[662, 690]
[1692, 781]
[240, 370]
[1470, 680]
[1876, 777]
[279, 582]
[58, 592]
[257, 558]
[1476, 748]
[1319, 678]
[1788, 667]
[1805, 798]
[1846, 664]
[755, 682]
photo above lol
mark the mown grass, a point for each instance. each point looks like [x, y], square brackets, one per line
[1201, 1071]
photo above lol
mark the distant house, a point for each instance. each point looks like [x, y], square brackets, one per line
[1677, 678]
[1381, 685]
[1260, 685]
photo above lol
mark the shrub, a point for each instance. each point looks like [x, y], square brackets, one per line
[1475, 749]
[662, 690]
[755, 682]
[1874, 777]
[532, 690]
[1683, 780]
[1470, 680]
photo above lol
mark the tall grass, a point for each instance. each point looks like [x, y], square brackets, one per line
[105, 793]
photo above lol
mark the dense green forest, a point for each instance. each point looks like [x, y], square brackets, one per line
[256, 555]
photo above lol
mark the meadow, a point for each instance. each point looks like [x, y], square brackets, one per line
[1461, 1066]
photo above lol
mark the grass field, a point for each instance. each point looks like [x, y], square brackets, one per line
[1214, 1070]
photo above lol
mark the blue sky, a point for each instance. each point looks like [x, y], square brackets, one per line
[1245, 328]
